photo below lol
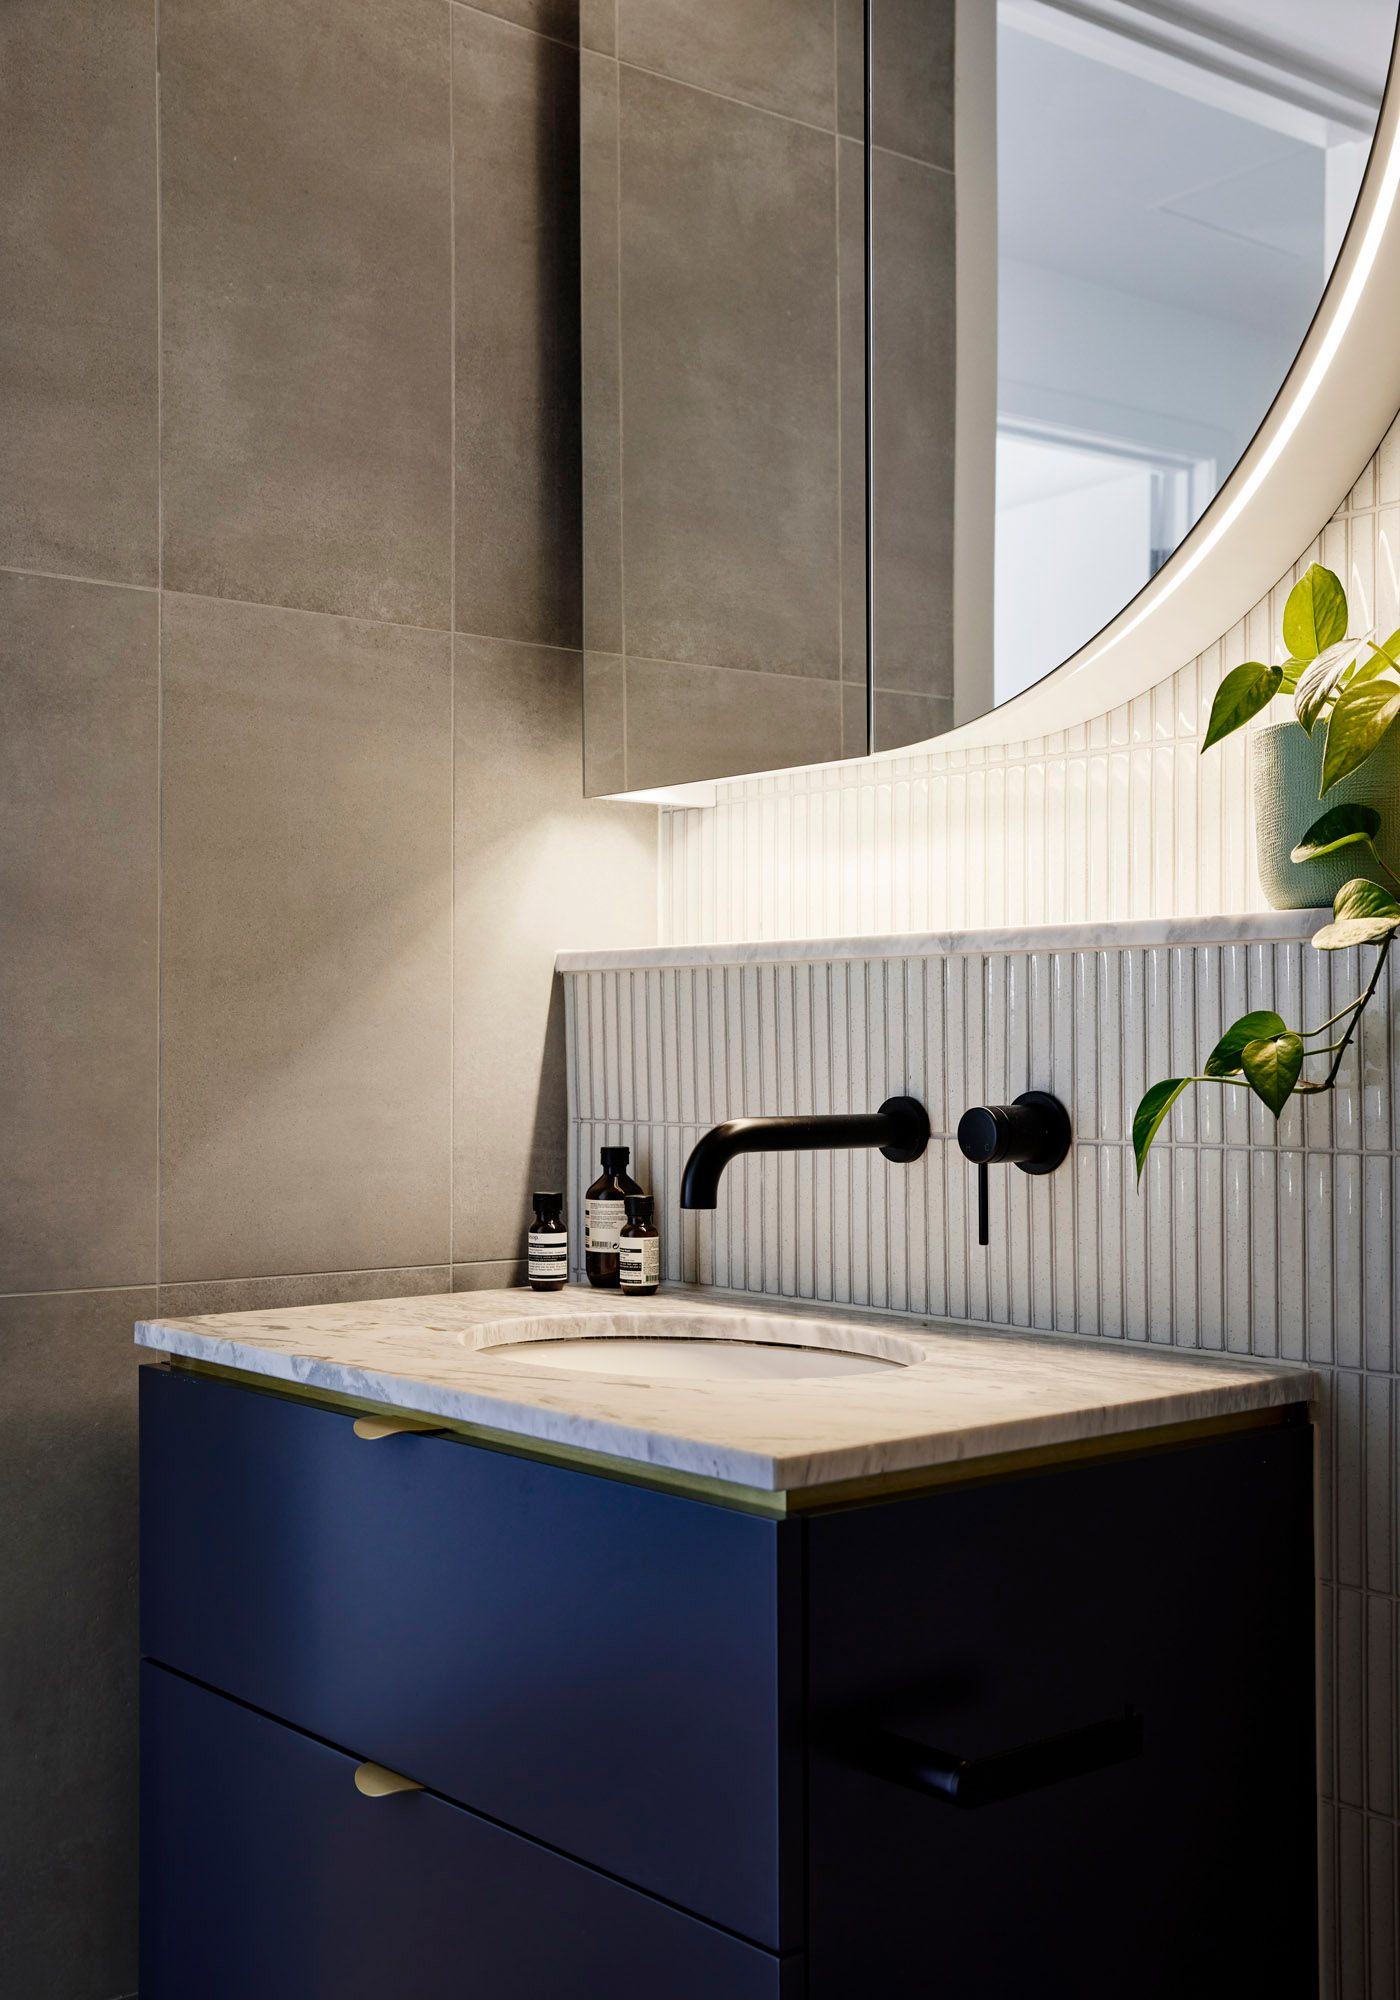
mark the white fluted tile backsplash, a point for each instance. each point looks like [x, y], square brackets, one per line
[1119, 818]
[1245, 1237]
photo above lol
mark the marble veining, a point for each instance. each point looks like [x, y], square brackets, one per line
[965, 1393]
[1136, 934]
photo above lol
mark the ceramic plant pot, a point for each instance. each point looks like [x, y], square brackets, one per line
[1287, 774]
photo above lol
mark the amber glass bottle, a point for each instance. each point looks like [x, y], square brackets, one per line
[547, 1247]
[639, 1247]
[604, 1215]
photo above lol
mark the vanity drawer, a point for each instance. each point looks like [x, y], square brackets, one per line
[267, 1873]
[593, 1663]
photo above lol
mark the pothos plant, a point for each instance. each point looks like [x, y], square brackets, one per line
[1351, 688]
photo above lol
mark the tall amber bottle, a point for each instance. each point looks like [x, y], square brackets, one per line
[604, 1213]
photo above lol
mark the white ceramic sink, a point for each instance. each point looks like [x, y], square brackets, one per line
[691, 1348]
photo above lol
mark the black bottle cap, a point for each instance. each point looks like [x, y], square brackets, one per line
[615, 1158]
[548, 1205]
[639, 1207]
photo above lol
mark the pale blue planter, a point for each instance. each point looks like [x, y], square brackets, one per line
[1287, 774]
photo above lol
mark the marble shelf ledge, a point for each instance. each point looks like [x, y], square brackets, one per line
[1271, 927]
[965, 1393]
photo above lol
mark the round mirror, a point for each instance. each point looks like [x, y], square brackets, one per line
[1173, 189]
[960, 367]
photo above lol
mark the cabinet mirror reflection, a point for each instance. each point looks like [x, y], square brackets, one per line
[917, 334]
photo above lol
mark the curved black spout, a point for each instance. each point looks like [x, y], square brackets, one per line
[899, 1128]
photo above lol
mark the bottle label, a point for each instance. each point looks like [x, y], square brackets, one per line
[602, 1225]
[639, 1261]
[547, 1254]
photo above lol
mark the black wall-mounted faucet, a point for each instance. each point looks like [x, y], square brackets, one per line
[1032, 1134]
[899, 1128]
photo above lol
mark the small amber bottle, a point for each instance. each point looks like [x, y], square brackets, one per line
[639, 1247]
[604, 1215]
[547, 1246]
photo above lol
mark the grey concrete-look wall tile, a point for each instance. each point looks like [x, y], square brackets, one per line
[78, 288]
[729, 383]
[604, 724]
[498, 1277]
[850, 67]
[307, 1289]
[914, 424]
[539, 869]
[912, 78]
[899, 718]
[598, 25]
[601, 361]
[68, 1641]
[78, 754]
[687, 722]
[558, 19]
[516, 124]
[850, 192]
[778, 56]
[305, 960]
[306, 263]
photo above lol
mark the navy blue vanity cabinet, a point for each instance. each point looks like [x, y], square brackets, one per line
[268, 1876]
[1044, 1733]
[603, 1667]
[987, 1620]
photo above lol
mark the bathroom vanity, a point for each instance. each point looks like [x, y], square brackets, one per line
[821, 1658]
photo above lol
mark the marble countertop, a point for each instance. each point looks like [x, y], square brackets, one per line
[966, 1393]
[1126, 934]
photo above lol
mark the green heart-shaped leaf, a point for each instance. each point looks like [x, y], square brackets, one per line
[1241, 694]
[1360, 719]
[1360, 898]
[1224, 1058]
[1271, 1068]
[1365, 914]
[1154, 1107]
[1322, 679]
[1343, 826]
[1315, 615]
[1355, 930]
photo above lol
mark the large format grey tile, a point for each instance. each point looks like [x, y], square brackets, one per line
[601, 303]
[911, 93]
[686, 723]
[78, 287]
[779, 56]
[516, 122]
[850, 193]
[78, 756]
[306, 1289]
[604, 724]
[305, 149]
[597, 27]
[729, 383]
[305, 960]
[498, 1277]
[558, 19]
[538, 869]
[914, 425]
[68, 1643]
[900, 719]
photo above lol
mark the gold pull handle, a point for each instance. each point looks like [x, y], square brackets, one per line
[388, 1427]
[375, 1782]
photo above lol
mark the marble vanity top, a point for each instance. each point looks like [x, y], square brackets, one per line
[966, 1393]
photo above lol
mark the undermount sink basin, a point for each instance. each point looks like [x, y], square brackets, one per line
[694, 1349]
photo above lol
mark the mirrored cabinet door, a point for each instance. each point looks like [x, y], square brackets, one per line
[725, 195]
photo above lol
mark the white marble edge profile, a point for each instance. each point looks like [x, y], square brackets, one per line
[966, 1392]
[1124, 934]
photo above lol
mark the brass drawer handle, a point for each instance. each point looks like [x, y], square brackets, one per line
[375, 1782]
[371, 1428]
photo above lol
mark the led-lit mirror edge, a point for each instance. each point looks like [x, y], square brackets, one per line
[1337, 402]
